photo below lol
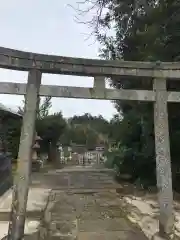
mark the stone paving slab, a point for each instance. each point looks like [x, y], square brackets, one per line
[36, 202]
[116, 235]
[111, 224]
[36, 199]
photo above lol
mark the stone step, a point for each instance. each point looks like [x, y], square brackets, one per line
[86, 180]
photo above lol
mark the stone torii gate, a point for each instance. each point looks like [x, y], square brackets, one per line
[36, 64]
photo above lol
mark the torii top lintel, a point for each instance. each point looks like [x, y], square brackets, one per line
[20, 60]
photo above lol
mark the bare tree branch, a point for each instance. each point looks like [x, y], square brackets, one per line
[92, 9]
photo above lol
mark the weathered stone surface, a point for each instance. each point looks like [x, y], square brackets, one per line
[144, 211]
[85, 93]
[19, 60]
[85, 215]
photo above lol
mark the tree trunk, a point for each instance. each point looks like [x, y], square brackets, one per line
[52, 153]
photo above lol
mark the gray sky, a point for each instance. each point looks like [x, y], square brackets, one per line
[48, 27]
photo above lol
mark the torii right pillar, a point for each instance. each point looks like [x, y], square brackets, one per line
[163, 159]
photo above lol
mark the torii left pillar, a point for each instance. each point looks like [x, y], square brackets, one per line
[22, 178]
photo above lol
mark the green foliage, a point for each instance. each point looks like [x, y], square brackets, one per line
[44, 108]
[50, 128]
[53, 128]
[12, 129]
[115, 157]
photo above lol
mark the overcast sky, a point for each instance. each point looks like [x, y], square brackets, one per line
[48, 27]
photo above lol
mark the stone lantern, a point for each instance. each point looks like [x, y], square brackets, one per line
[35, 148]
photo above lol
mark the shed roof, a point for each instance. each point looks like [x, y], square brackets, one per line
[9, 110]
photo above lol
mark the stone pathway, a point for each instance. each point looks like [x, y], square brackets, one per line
[82, 204]
[86, 216]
